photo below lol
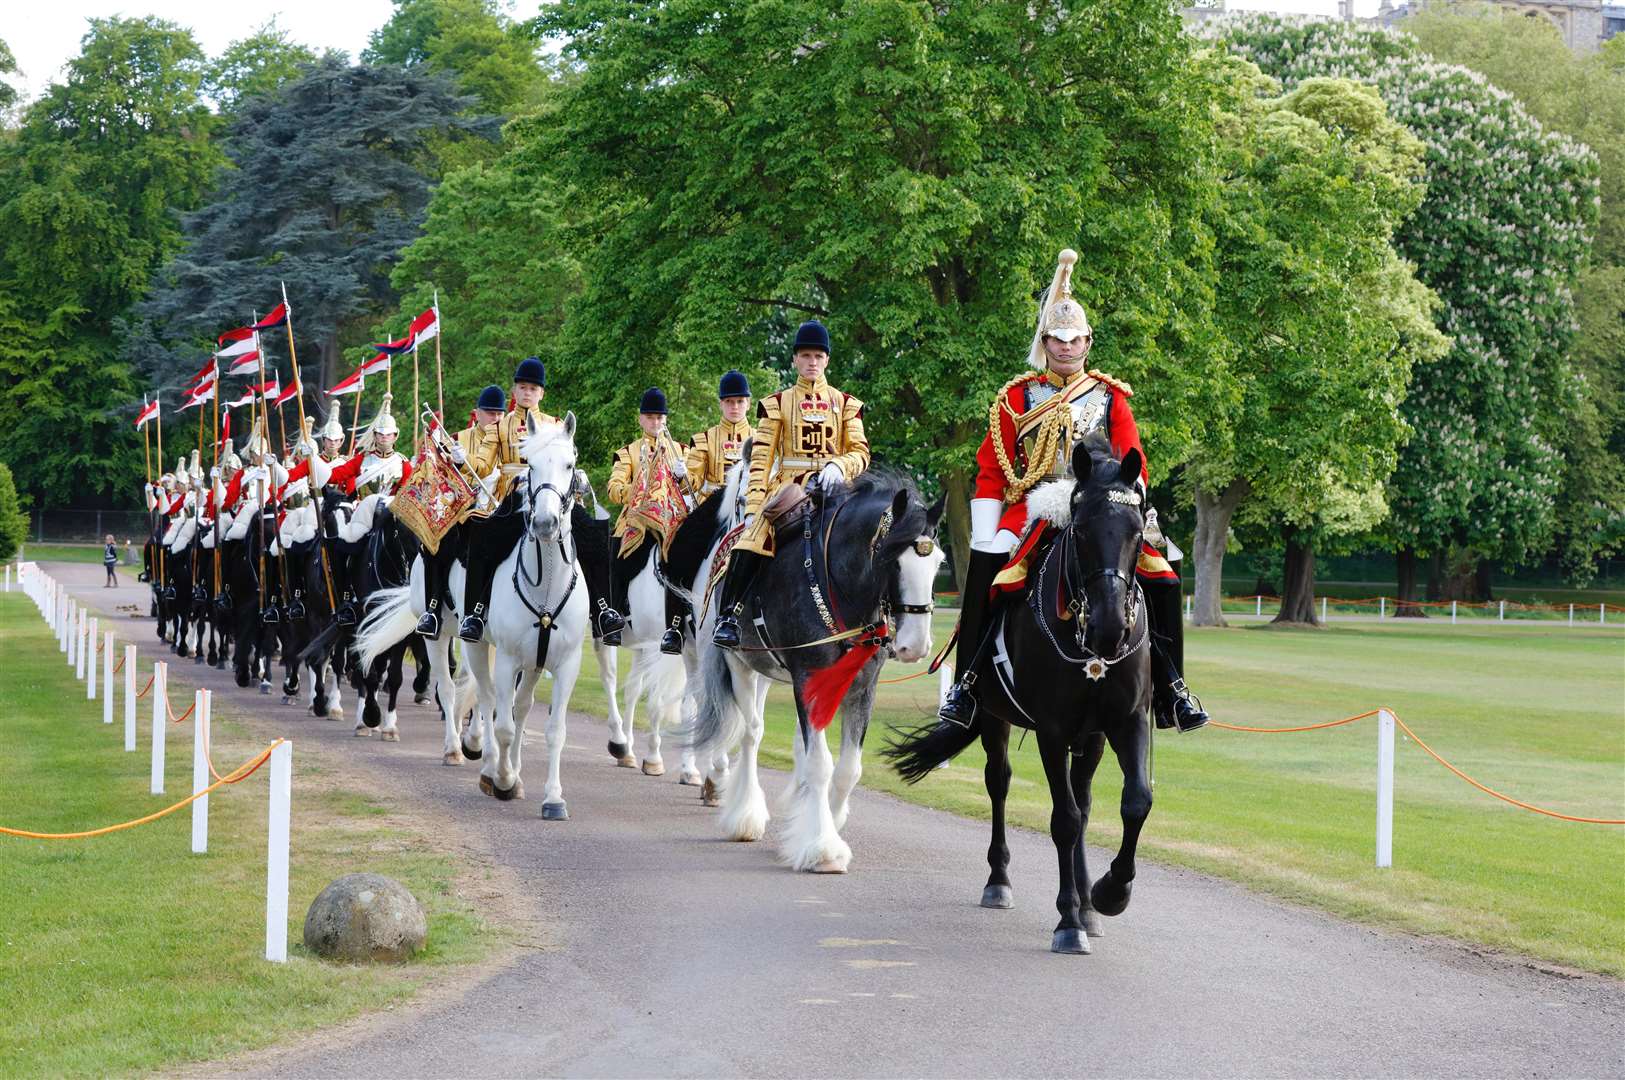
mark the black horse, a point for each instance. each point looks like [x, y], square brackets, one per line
[820, 616]
[1071, 663]
[384, 561]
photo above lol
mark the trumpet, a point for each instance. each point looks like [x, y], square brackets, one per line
[451, 452]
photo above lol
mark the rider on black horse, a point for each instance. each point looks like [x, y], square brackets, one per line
[1033, 425]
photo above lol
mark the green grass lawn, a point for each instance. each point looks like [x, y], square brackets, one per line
[126, 953]
[75, 553]
[1534, 710]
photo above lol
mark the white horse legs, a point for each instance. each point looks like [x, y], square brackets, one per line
[811, 841]
[564, 681]
[620, 730]
[847, 771]
[744, 804]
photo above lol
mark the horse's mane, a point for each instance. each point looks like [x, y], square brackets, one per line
[876, 488]
[695, 538]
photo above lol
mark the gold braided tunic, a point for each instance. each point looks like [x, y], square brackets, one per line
[799, 430]
[711, 453]
[650, 497]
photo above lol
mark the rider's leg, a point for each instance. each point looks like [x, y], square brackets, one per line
[743, 566]
[489, 542]
[677, 615]
[594, 552]
[959, 707]
[1171, 701]
[436, 569]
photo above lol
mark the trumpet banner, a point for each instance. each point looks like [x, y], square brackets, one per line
[435, 499]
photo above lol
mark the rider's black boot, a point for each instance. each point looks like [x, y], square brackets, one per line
[1172, 703]
[743, 567]
[671, 642]
[434, 587]
[296, 610]
[346, 613]
[959, 706]
[594, 552]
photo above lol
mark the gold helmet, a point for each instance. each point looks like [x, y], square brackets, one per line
[195, 472]
[384, 423]
[1059, 315]
[334, 430]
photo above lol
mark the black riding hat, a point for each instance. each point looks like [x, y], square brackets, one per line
[654, 401]
[531, 370]
[493, 399]
[734, 384]
[811, 335]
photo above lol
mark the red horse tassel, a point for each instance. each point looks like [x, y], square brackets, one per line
[826, 688]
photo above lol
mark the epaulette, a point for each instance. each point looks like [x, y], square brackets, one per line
[769, 406]
[1002, 399]
[1115, 384]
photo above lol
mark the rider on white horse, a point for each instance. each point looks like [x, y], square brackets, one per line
[648, 481]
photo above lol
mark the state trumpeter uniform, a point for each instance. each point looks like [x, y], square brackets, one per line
[806, 433]
[1034, 424]
[711, 453]
[648, 481]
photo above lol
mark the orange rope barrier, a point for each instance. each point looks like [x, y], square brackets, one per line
[241, 773]
[173, 719]
[118, 667]
[1434, 754]
[150, 679]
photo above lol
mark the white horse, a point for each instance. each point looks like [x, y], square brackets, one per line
[728, 697]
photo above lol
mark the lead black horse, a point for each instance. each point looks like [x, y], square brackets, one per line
[1070, 662]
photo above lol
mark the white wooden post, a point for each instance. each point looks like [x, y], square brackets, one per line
[276, 855]
[1382, 607]
[107, 678]
[90, 662]
[160, 681]
[1602, 614]
[200, 771]
[1322, 609]
[1571, 614]
[1259, 607]
[1385, 788]
[63, 631]
[129, 699]
[8, 577]
[1502, 617]
[1452, 613]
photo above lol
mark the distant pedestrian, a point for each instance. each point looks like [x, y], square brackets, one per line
[129, 553]
[109, 561]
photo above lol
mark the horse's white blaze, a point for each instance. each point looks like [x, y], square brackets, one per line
[916, 574]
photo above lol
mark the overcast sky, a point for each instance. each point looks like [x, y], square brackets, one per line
[48, 35]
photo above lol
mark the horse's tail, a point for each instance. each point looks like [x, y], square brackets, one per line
[918, 751]
[389, 620]
[718, 721]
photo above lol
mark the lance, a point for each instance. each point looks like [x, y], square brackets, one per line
[281, 550]
[161, 497]
[146, 451]
[214, 478]
[355, 420]
[418, 421]
[197, 497]
[439, 384]
[315, 496]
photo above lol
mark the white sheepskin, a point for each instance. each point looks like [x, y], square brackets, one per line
[1052, 501]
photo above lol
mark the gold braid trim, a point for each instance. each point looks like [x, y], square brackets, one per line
[1049, 437]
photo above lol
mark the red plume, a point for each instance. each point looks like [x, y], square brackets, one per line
[826, 689]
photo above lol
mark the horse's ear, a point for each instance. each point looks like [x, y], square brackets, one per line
[1083, 463]
[899, 504]
[530, 423]
[933, 513]
[570, 424]
[1128, 470]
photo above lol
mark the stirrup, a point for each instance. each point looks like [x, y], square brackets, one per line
[346, 615]
[472, 629]
[725, 635]
[296, 610]
[609, 621]
[953, 711]
[671, 642]
[1187, 708]
[429, 626]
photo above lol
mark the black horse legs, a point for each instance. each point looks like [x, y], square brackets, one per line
[1066, 830]
[1083, 776]
[996, 774]
[1130, 743]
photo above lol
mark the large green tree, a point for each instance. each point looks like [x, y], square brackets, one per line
[260, 63]
[1584, 97]
[905, 171]
[88, 194]
[491, 57]
[1500, 236]
[327, 184]
[1323, 317]
[8, 66]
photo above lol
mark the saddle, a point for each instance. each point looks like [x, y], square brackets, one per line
[787, 507]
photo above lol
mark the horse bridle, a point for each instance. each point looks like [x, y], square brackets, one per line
[1095, 666]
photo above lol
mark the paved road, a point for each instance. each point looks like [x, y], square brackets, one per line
[673, 953]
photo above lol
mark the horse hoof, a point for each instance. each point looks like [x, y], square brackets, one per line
[830, 866]
[390, 736]
[485, 785]
[620, 752]
[452, 758]
[627, 762]
[420, 699]
[654, 768]
[265, 688]
[1071, 941]
[335, 714]
[555, 811]
[372, 721]
[362, 732]
[470, 753]
[1108, 896]
[998, 896]
[507, 795]
[286, 700]
[197, 658]
[709, 795]
[1092, 924]
[689, 778]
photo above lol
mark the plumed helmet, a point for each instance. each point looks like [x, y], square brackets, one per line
[384, 423]
[1059, 315]
[811, 335]
[654, 401]
[531, 370]
[734, 384]
[492, 399]
[229, 458]
[333, 430]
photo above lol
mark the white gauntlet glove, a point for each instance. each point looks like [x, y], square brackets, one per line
[679, 469]
[456, 454]
[831, 476]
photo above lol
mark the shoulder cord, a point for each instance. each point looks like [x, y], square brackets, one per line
[1049, 438]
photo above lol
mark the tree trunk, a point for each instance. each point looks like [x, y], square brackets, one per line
[1298, 581]
[1405, 562]
[329, 355]
[1213, 513]
[957, 487]
[1465, 576]
[1482, 590]
[1436, 575]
